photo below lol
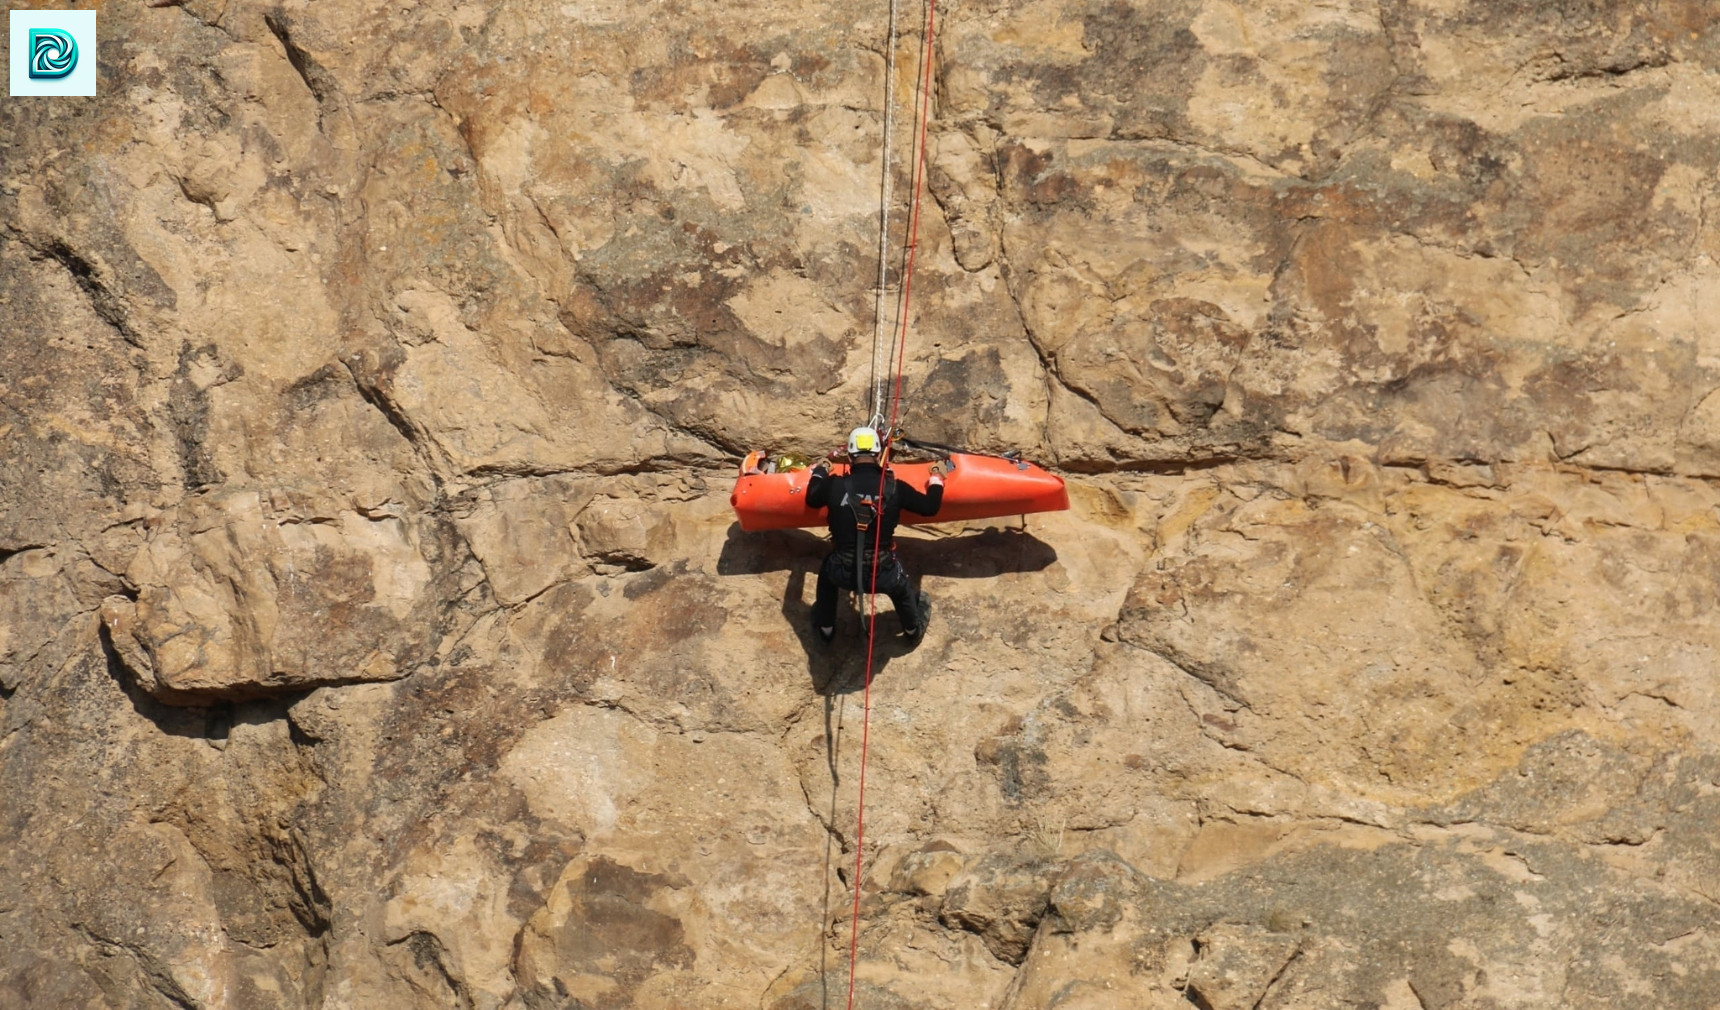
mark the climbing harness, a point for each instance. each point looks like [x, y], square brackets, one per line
[867, 510]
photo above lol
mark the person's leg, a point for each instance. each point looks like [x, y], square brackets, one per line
[824, 602]
[894, 581]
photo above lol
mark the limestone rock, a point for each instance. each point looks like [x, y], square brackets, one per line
[929, 870]
[38, 599]
[624, 533]
[374, 630]
[251, 595]
[523, 533]
[607, 930]
[1002, 900]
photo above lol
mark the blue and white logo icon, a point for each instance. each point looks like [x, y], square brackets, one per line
[53, 53]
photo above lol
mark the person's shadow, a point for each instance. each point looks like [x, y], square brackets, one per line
[840, 666]
[838, 669]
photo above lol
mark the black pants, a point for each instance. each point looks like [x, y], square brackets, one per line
[837, 574]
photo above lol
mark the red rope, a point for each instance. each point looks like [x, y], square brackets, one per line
[925, 103]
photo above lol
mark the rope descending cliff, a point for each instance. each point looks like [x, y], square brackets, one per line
[899, 342]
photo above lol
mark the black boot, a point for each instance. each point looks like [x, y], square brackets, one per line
[925, 614]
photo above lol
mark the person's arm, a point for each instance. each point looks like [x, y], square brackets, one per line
[923, 503]
[818, 488]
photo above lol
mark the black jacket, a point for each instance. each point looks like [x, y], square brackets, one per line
[841, 492]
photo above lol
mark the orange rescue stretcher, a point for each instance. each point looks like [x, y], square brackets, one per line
[976, 487]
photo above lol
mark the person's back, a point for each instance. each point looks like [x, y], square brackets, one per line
[865, 506]
[868, 493]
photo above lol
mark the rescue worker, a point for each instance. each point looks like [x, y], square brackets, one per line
[858, 521]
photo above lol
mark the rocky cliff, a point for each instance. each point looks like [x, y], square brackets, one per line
[374, 632]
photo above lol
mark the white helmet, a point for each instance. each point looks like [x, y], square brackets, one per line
[863, 440]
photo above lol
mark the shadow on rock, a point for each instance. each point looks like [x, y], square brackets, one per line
[839, 667]
[981, 555]
[210, 719]
[769, 551]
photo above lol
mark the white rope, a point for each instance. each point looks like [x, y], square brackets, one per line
[885, 186]
[916, 158]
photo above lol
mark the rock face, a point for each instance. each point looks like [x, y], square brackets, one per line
[374, 631]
